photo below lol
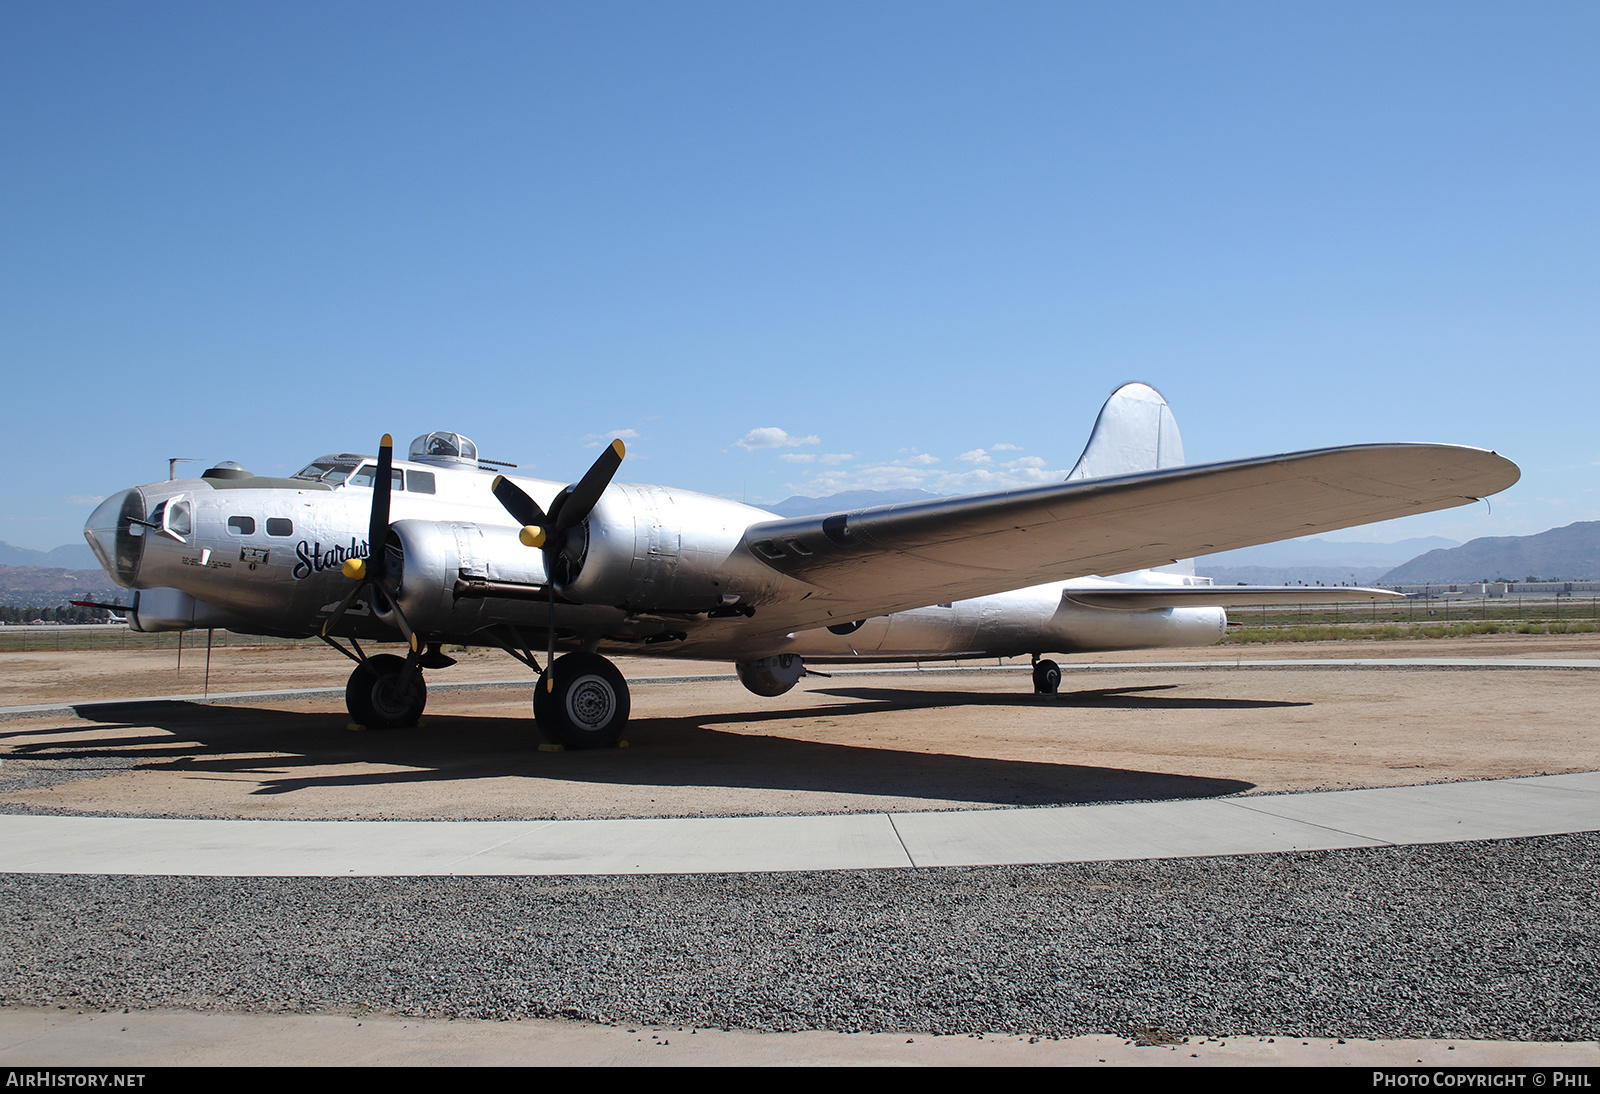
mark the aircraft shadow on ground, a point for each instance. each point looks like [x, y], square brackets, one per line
[278, 747]
[1121, 698]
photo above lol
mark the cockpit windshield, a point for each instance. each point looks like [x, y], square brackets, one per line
[332, 470]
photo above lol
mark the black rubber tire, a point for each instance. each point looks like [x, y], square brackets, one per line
[372, 697]
[1046, 678]
[587, 708]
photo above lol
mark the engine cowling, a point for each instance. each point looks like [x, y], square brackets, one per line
[428, 559]
[653, 549]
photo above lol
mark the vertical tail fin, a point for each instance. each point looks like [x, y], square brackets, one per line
[1134, 432]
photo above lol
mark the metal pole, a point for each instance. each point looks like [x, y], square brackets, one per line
[206, 687]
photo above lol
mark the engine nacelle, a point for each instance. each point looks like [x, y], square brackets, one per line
[435, 555]
[649, 548]
[771, 676]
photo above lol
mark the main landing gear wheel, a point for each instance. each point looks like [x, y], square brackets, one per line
[587, 708]
[375, 698]
[1046, 677]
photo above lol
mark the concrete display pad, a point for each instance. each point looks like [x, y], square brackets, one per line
[686, 845]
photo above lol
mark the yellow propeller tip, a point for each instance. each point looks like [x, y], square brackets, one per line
[531, 536]
[387, 442]
[498, 479]
[618, 447]
[354, 568]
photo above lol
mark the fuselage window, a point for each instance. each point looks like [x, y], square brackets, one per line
[369, 472]
[242, 526]
[419, 482]
[280, 526]
[178, 518]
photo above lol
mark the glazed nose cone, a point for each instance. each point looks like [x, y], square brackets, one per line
[116, 540]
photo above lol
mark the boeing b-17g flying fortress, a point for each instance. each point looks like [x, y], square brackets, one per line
[440, 549]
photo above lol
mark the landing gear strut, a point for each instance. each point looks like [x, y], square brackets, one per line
[581, 701]
[382, 694]
[1046, 677]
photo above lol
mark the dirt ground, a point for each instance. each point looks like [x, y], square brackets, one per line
[43, 677]
[853, 743]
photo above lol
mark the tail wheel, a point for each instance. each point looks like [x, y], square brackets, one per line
[1046, 678]
[581, 701]
[376, 699]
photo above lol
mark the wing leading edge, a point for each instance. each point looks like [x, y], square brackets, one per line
[887, 559]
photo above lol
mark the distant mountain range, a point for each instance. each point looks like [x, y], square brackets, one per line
[1291, 575]
[73, 556]
[1328, 553]
[1571, 553]
[51, 587]
[1313, 561]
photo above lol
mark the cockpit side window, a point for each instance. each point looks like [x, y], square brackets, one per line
[242, 526]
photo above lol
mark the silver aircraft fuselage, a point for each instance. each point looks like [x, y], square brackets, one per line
[264, 556]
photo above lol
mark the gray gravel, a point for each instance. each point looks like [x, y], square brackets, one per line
[1484, 940]
[18, 774]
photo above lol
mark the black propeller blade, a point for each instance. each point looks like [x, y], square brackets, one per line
[382, 485]
[523, 509]
[369, 571]
[580, 498]
[571, 506]
[549, 531]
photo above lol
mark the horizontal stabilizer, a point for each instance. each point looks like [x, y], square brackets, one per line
[1223, 596]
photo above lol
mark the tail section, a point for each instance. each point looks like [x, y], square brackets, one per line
[1134, 432]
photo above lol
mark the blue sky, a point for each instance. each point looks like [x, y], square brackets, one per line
[891, 234]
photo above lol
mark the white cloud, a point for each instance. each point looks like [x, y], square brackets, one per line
[902, 474]
[605, 437]
[977, 455]
[1026, 461]
[1006, 447]
[838, 457]
[882, 476]
[770, 436]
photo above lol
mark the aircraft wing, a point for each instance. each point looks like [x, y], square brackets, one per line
[1223, 596]
[890, 558]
